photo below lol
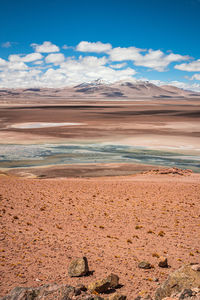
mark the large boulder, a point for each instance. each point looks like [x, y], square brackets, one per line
[78, 267]
[184, 278]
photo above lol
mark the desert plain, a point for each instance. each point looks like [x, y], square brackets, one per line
[115, 212]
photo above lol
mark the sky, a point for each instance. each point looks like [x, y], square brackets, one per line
[58, 43]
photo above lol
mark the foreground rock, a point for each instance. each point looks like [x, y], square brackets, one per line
[184, 278]
[51, 291]
[187, 294]
[58, 292]
[78, 267]
[103, 285]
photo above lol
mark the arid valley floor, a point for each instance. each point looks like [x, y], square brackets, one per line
[110, 211]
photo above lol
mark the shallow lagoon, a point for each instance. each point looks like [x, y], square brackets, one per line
[15, 155]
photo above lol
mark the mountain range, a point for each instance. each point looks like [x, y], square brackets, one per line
[99, 89]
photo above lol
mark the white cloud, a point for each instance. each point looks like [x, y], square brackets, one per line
[55, 58]
[97, 47]
[17, 66]
[91, 68]
[20, 78]
[120, 54]
[14, 58]
[154, 59]
[157, 60]
[33, 70]
[193, 66]
[32, 57]
[3, 63]
[27, 58]
[38, 62]
[14, 63]
[46, 47]
[6, 45]
[118, 66]
[70, 72]
[195, 76]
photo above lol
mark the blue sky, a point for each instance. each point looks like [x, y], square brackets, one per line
[153, 40]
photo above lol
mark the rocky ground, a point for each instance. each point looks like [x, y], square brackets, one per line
[116, 222]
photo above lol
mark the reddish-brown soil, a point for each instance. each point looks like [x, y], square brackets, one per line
[115, 222]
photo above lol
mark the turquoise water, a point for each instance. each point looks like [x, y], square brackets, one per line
[14, 155]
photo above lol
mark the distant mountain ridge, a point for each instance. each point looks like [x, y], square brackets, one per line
[100, 89]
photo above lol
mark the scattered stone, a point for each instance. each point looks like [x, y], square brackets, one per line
[163, 263]
[196, 267]
[167, 171]
[99, 286]
[183, 278]
[155, 279]
[103, 285]
[114, 280]
[78, 267]
[117, 296]
[144, 265]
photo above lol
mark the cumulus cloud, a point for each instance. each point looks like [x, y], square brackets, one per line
[17, 66]
[46, 47]
[32, 57]
[118, 66]
[3, 63]
[195, 76]
[55, 58]
[97, 47]
[53, 69]
[69, 72]
[91, 68]
[120, 54]
[193, 66]
[38, 62]
[27, 58]
[154, 59]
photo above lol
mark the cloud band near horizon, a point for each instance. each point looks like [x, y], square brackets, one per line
[48, 66]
